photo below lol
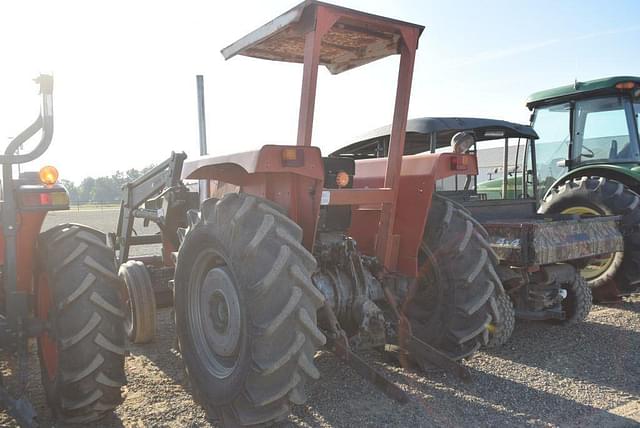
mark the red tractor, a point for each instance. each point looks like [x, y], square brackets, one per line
[59, 286]
[289, 251]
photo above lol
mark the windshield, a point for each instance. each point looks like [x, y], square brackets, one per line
[552, 148]
[601, 132]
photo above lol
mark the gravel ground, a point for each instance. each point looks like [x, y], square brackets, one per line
[547, 375]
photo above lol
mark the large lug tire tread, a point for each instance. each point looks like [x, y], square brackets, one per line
[87, 322]
[459, 326]
[141, 324]
[578, 302]
[501, 331]
[274, 270]
[612, 198]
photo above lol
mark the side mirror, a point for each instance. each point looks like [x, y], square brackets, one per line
[529, 176]
[562, 163]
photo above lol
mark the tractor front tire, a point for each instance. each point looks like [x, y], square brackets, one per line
[245, 310]
[501, 331]
[140, 321]
[602, 196]
[454, 309]
[82, 354]
[577, 304]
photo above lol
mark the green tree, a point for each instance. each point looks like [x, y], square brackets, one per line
[103, 189]
[86, 190]
[71, 188]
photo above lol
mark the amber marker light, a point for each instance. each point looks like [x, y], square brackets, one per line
[342, 179]
[48, 175]
[289, 154]
[292, 157]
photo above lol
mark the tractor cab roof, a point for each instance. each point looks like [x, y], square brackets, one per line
[604, 86]
[419, 133]
[356, 38]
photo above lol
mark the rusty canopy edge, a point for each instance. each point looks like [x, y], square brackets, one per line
[357, 39]
[264, 32]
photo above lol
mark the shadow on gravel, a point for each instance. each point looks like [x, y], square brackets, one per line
[630, 303]
[162, 351]
[496, 401]
[593, 352]
[341, 398]
[162, 355]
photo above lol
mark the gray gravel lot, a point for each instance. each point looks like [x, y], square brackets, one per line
[547, 375]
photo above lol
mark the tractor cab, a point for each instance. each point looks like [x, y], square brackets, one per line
[588, 126]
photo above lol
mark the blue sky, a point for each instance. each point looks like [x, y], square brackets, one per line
[125, 86]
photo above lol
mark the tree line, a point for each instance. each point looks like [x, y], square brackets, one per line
[107, 189]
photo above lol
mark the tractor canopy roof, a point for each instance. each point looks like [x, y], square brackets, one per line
[419, 133]
[607, 85]
[355, 39]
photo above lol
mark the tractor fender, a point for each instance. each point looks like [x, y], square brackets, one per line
[629, 178]
[238, 168]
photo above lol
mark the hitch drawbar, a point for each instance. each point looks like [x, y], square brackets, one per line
[341, 350]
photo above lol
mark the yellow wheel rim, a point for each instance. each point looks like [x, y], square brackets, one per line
[598, 265]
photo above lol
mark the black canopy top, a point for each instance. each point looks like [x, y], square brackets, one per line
[419, 132]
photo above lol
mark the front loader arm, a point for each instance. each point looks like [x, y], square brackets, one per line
[160, 188]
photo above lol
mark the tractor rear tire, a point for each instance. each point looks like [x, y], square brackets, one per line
[500, 332]
[453, 313]
[578, 302]
[245, 310]
[604, 197]
[82, 355]
[140, 321]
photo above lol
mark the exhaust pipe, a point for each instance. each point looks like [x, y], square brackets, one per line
[203, 185]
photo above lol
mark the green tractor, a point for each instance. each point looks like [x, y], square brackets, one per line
[588, 163]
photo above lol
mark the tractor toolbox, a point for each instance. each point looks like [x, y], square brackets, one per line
[544, 240]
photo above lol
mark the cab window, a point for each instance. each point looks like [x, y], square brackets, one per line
[601, 132]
